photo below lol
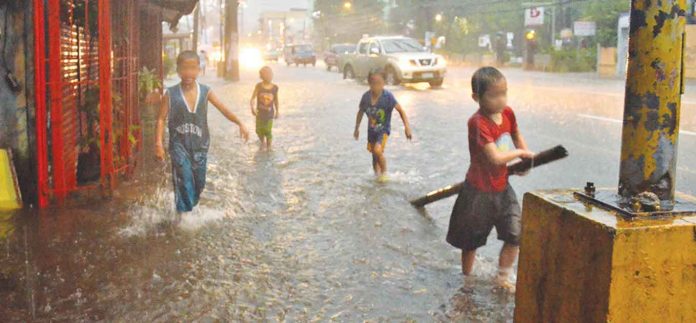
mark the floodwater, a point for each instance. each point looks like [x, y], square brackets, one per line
[303, 233]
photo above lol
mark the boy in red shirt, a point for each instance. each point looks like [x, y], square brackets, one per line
[487, 200]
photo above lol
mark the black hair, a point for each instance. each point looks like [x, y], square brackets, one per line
[186, 55]
[375, 72]
[268, 68]
[483, 78]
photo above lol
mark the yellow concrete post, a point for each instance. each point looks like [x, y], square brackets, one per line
[10, 198]
[582, 263]
[653, 98]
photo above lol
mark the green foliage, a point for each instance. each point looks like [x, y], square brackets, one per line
[148, 81]
[465, 20]
[606, 14]
[572, 60]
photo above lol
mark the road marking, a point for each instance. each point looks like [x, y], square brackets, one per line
[589, 116]
[681, 132]
[614, 94]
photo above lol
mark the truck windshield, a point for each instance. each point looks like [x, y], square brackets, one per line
[405, 45]
[342, 49]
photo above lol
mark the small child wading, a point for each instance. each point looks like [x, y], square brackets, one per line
[486, 199]
[185, 109]
[378, 104]
[267, 107]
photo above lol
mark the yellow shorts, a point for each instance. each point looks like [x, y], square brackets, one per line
[383, 142]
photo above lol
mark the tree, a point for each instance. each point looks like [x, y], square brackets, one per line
[462, 21]
[337, 23]
[606, 14]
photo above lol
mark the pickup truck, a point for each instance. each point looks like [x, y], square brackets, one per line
[403, 60]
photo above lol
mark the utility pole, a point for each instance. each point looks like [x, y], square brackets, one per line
[553, 26]
[196, 27]
[231, 41]
[221, 21]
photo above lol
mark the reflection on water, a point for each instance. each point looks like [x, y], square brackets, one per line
[302, 233]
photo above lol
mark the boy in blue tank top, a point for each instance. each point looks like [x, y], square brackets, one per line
[185, 108]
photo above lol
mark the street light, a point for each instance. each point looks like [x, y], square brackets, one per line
[530, 35]
[438, 17]
[347, 5]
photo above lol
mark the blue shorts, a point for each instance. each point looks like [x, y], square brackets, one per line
[188, 176]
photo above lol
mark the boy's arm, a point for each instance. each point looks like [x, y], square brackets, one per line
[276, 102]
[519, 141]
[159, 128]
[404, 118]
[499, 158]
[212, 98]
[358, 120]
[253, 99]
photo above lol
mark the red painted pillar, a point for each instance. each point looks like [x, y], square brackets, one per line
[40, 102]
[55, 75]
[105, 113]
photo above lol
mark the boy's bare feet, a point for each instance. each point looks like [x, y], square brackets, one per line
[505, 280]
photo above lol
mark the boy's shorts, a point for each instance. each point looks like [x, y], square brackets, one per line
[475, 213]
[374, 139]
[264, 128]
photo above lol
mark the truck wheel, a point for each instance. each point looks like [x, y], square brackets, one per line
[391, 77]
[348, 73]
[436, 83]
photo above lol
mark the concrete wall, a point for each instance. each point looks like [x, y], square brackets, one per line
[16, 107]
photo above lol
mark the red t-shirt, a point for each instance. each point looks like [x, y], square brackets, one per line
[483, 175]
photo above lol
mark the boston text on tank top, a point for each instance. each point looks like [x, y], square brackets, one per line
[188, 126]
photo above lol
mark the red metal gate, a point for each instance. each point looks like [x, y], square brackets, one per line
[79, 104]
[125, 75]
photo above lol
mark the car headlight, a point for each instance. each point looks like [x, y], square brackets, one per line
[405, 63]
[440, 61]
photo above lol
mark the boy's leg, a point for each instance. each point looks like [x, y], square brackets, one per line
[508, 255]
[269, 135]
[262, 142]
[468, 258]
[200, 167]
[375, 165]
[470, 224]
[378, 155]
[183, 179]
[378, 152]
[508, 226]
[259, 133]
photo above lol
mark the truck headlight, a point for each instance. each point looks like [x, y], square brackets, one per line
[406, 63]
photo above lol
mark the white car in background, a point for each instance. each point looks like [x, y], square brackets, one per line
[403, 59]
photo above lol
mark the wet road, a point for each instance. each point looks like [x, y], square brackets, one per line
[304, 233]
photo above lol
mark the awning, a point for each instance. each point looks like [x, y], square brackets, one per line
[171, 10]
